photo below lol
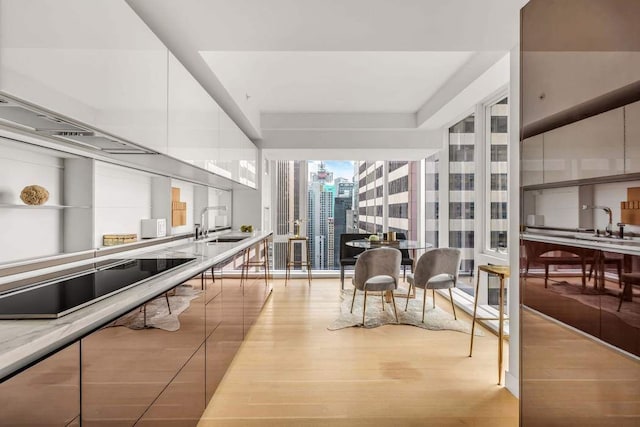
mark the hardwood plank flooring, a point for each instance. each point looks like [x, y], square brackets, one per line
[292, 371]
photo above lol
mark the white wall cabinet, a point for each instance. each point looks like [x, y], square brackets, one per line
[532, 160]
[632, 137]
[193, 119]
[69, 57]
[238, 155]
[556, 81]
[589, 148]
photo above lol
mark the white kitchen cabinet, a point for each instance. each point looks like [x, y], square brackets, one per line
[589, 148]
[556, 81]
[193, 119]
[532, 160]
[92, 61]
[237, 153]
[632, 137]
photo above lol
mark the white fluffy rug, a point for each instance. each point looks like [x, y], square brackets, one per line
[434, 318]
[157, 312]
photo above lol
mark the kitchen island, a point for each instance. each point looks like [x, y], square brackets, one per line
[146, 366]
[575, 277]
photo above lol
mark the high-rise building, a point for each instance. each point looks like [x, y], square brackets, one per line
[387, 197]
[320, 209]
[341, 221]
[286, 199]
[331, 248]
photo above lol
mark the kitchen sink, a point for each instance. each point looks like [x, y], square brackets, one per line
[225, 240]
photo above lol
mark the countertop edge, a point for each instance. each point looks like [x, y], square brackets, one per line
[25, 342]
[568, 241]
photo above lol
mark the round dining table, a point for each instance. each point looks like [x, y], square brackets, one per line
[398, 244]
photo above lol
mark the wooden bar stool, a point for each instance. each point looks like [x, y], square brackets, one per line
[502, 271]
[302, 263]
[264, 263]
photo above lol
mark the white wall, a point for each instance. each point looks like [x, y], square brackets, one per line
[247, 208]
[512, 377]
[122, 199]
[28, 233]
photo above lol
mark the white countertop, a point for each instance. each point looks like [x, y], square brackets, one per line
[585, 240]
[25, 341]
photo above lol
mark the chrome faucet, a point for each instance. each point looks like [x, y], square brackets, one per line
[609, 229]
[203, 218]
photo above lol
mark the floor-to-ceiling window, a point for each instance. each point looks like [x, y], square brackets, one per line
[329, 198]
[497, 174]
[462, 175]
[431, 199]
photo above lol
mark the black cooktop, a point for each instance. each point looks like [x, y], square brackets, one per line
[54, 299]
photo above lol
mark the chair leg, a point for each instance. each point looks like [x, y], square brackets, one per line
[353, 299]
[166, 296]
[395, 309]
[408, 295]
[382, 295]
[546, 274]
[619, 265]
[364, 306]
[202, 281]
[433, 297]
[424, 303]
[453, 306]
[342, 277]
[622, 295]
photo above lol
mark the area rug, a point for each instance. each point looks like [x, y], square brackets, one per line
[157, 312]
[434, 319]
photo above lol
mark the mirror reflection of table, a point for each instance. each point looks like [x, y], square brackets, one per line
[398, 244]
[411, 245]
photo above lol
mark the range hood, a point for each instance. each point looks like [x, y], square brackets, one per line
[24, 116]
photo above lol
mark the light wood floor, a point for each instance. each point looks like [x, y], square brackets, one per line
[292, 371]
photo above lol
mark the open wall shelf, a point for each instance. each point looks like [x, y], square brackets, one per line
[16, 206]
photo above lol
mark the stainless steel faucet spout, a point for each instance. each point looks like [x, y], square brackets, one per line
[607, 210]
[205, 219]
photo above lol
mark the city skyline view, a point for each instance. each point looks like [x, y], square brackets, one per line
[340, 168]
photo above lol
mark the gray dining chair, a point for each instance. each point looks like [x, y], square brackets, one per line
[377, 270]
[436, 269]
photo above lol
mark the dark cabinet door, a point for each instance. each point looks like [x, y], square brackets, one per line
[46, 394]
[125, 370]
[224, 341]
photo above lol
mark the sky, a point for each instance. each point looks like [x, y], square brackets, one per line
[340, 168]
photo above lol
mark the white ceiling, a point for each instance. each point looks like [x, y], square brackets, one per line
[344, 82]
[332, 56]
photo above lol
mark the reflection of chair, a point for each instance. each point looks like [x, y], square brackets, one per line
[144, 307]
[436, 269]
[629, 280]
[543, 253]
[601, 260]
[377, 270]
[247, 263]
[348, 254]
